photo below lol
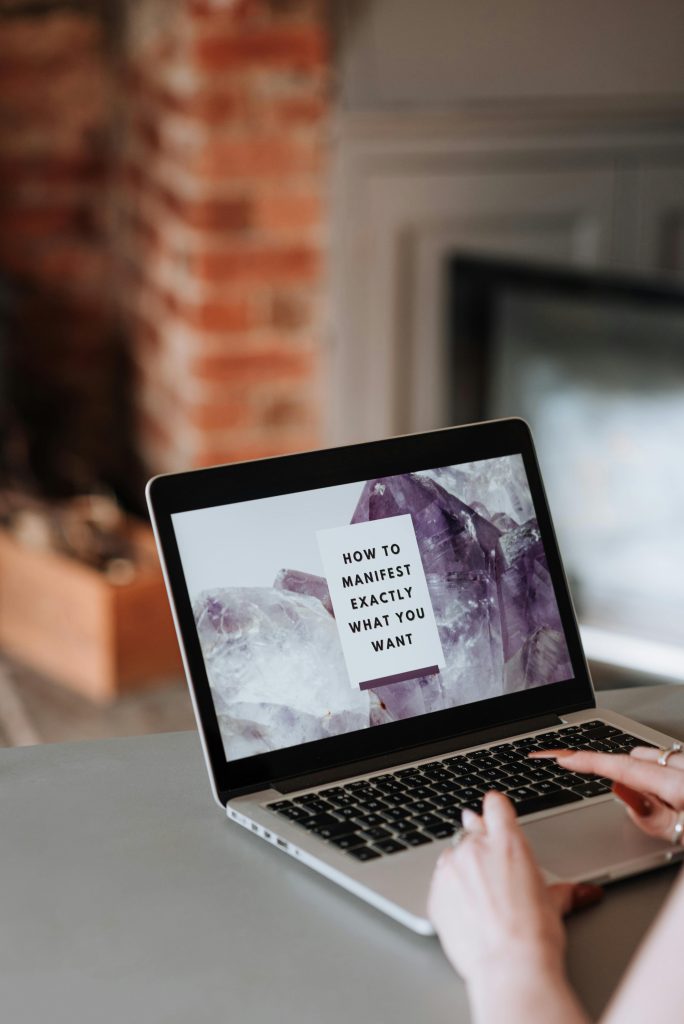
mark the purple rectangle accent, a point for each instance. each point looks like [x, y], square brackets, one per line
[372, 684]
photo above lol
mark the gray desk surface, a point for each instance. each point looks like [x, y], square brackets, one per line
[126, 896]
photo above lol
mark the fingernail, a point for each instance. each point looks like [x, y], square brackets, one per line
[586, 895]
[639, 803]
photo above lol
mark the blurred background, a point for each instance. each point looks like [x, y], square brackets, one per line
[238, 229]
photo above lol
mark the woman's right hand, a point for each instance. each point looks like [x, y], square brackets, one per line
[652, 793]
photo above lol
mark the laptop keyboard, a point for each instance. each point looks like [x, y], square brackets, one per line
[393, 812]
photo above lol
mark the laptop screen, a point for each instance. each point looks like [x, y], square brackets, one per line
[327, 611]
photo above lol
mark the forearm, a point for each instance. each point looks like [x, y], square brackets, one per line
[527, 993]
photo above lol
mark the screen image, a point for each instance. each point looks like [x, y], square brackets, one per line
[327, 611]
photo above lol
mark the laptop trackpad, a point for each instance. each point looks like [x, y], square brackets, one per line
[591, 842]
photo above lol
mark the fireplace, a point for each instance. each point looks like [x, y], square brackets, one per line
[595, 363]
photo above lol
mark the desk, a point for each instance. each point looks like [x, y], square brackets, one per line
[126, 896]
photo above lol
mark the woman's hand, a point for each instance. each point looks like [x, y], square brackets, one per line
[489, 903]
[652, 793]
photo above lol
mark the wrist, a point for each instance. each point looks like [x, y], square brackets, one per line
[527, 986]
[515, 966]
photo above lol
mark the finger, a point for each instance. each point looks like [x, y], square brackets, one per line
[472, 822]
[639, 802]
[664, 782]
[649, 813]
[567, 897]
[652, 754]
[499, 814]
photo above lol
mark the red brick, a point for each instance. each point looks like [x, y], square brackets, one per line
[294, 263]
[282, 211]
[292, 46]
[227, 414]
[210, 106]
[219, 316]
[301, 109]
[212, 214]
[260, 157]
[255, 367]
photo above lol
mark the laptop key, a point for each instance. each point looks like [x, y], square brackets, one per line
[440, 831]
[428, 820]
[590, 789]
[395, 814]
[451, 814]
[369, 820]
[294, 813]
[443, 800]
[416, 839]
[373, 804]
[317, 806]
[347, 812]
[390, 846]
[342, 828]
[545, 802]
[547, 787]
[400, 827]
[317, 821]
[516, 780]
[374, 834]
[395, 799]
[279, 805]
[537, 775]
[468, 793]
[521, 793]
[420, 806]
[364, 853]
[419, 793]
[346, 842]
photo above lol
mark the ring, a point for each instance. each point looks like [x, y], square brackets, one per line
[667, 752]
[462, 833]
[678, 829]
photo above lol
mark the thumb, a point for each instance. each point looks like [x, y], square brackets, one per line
[568, 896]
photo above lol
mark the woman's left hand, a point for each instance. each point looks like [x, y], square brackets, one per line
[488, 899]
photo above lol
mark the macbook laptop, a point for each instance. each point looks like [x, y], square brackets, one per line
[374, 636]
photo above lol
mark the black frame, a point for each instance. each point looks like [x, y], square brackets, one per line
[475, 287]
[223, 485]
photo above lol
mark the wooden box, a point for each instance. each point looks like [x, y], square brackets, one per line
[70, 623]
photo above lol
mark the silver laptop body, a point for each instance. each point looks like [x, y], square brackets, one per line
[343, 746]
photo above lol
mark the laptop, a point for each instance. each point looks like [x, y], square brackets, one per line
[376, 635]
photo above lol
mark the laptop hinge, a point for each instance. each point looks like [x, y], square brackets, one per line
[396, 757]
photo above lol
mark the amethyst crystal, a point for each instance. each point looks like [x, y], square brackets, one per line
[488, 580]
[543, 657]
[304, 583]
[275, 669]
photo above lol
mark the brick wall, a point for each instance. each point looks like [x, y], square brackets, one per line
[223, 225]
[54, 262]
[163, 177]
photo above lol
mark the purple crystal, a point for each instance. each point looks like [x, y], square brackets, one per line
[542, 657]
[276, 670]
[304, 583]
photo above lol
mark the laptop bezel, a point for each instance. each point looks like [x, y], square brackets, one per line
[222, 485]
